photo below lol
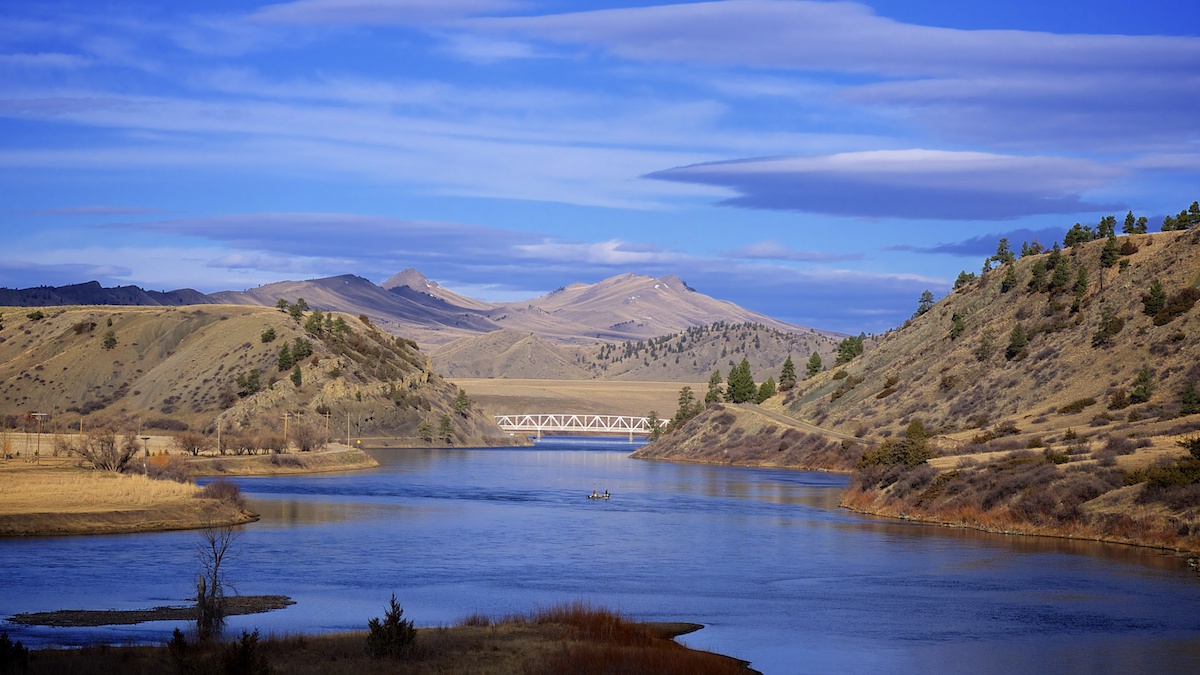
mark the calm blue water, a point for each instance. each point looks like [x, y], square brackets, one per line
[779, 575]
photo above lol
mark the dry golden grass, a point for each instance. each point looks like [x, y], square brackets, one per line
[65, 490]
[595, 397]
[66, 500]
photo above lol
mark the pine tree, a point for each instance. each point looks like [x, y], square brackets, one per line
[1009, 281]
[1107, 227]
[1016, 342]
[1130, 226]
[766, 391]
[1061, 275]
[285, 357]
[296, 377]
[1004, 254]
[462, 403]
[1189, 400]
[850, 348]
[740, 387]
[1111, 252]
[814, 366]
[924, 303]
[1038, 278]
[1081, 284]
[1155, 300]
[787, 376]
[652, 422]
[958, 324]
[715, 394]
[687, 406]
[445, 429]
[1143, 386]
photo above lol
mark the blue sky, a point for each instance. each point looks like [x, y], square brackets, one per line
[821, 162]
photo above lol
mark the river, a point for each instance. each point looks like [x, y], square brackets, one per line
[764, 558]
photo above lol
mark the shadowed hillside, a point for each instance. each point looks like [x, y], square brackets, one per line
[1054, 394]
[190, 367]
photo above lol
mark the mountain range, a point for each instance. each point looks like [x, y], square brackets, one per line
[624, 307]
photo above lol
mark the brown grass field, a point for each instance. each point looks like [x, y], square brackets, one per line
[572, 638]
[596, 397]
[56, 496]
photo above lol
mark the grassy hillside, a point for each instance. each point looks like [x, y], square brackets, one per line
[1069, 425]
[686, 356]
[243, 367]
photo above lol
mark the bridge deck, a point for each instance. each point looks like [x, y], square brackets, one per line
[572, 422]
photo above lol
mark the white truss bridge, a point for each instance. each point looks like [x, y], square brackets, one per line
[568, 422]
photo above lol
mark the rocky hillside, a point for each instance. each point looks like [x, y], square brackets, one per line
[245, 367]
[1055, 394]
[1015, 347]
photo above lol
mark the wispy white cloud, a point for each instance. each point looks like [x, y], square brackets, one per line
[613, 252]
[915, 184]
[379, 12]
[94, 210]
[1015, 88]
[44, 60]
[773, 250]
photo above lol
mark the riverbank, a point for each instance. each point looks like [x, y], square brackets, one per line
[336, 457]
[1107, 488]
[56, 497]
[555, 640]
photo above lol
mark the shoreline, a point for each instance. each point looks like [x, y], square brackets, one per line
[56, 497]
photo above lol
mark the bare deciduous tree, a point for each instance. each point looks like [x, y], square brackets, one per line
[308, 436]
[213, 549]
[104, 450]
[192, 442]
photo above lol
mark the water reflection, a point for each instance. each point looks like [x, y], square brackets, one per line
[764, 558]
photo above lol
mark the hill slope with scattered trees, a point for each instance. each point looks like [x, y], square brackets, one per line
[1055, 393]
[255, 372]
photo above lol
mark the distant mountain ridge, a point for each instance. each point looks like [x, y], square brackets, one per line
[617, 309]
[92, 293]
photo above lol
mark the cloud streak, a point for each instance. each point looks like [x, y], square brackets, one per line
[910, 184]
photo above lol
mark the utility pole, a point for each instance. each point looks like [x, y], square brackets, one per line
[328, 415]
[285, 431]
[37, 454]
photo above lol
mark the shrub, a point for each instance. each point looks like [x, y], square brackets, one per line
[223, 490]
[1056, 456]
[1119, 445]
[392, 637]
[1178, 304]
[1076, 406]
[14, 656]
[1118, 400]
[245, 657]
[169, 467]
